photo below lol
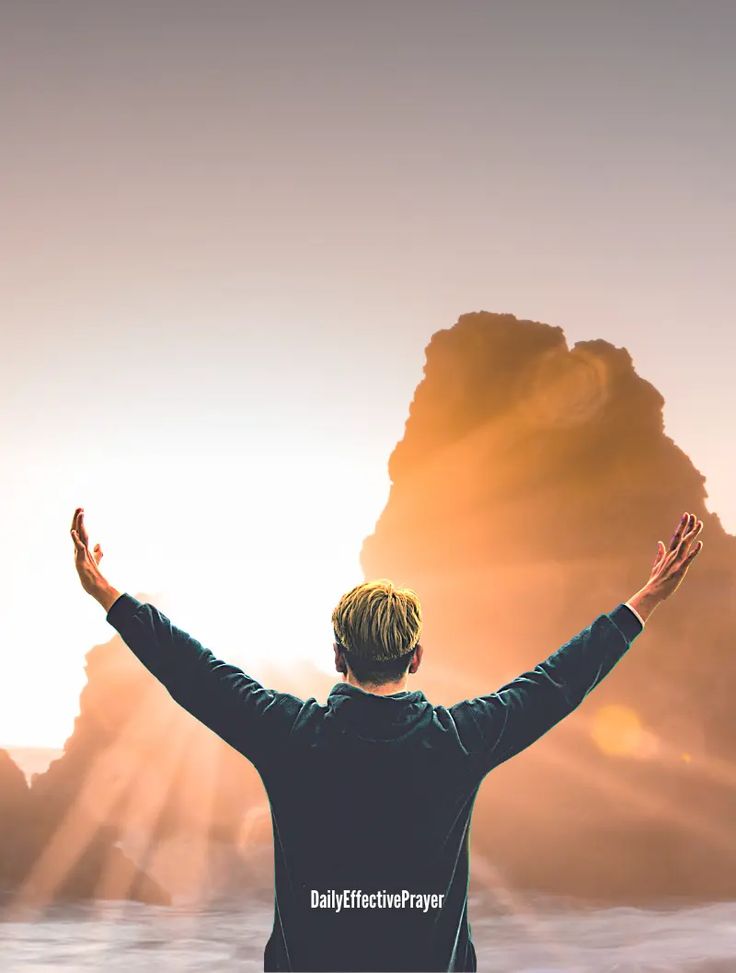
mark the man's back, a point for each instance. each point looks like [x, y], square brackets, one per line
[371, 795]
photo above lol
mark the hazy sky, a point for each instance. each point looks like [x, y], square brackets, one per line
[230, 228]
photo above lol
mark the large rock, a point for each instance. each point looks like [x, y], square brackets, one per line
[527, 495]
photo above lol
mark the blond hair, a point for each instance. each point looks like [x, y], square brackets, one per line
[377, 621]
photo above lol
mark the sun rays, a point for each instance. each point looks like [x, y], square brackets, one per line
[129, 784]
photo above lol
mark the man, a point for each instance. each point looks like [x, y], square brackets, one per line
[371, 794]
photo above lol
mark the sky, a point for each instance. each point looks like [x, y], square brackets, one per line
[229, 230]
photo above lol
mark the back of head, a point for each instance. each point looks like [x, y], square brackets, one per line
[378, 627]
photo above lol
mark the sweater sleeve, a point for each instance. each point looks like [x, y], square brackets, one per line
[236, 707]
[635, 612]
[501, 724]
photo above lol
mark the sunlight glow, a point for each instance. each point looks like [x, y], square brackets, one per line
[248, 549]
[618, 730]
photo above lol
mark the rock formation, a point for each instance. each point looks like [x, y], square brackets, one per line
[527, 495]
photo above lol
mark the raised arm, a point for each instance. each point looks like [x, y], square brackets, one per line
[501, 724]
[252, 719]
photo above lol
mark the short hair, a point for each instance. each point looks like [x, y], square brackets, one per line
[378, 626]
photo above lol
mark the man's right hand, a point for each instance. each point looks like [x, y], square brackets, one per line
[88, 564]
[670, 565]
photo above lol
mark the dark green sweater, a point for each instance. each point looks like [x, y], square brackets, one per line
[371, 795]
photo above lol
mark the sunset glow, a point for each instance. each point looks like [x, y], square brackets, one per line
[219, 550]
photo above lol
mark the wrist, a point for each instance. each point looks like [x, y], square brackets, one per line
[645, 601]
[106, 595]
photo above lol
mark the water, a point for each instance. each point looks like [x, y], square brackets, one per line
[544, 938]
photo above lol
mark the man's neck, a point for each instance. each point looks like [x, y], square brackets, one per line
[386, 689]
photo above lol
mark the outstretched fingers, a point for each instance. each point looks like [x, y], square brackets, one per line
[79, 533]
[81, 529]
[688, 539]
[679, 531]
[74, 518]
[79, 546]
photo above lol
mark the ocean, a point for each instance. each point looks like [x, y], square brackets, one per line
[547, 937]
